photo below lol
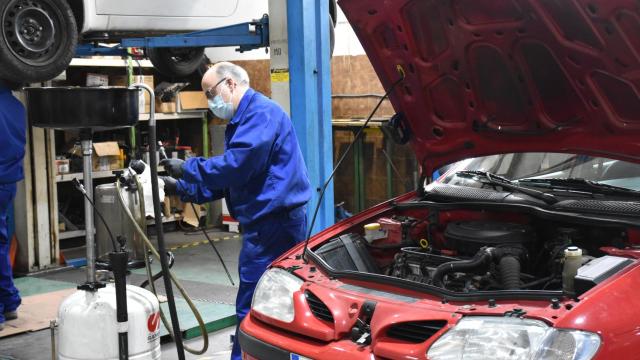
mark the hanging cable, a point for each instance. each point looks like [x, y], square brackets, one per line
[80, 188]
[344, 155]
[138, 226]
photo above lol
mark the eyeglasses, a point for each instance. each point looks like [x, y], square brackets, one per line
[208, 93]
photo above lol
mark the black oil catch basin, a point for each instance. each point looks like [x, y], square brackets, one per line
[99, 108]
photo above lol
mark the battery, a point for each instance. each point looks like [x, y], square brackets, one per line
[598, 270]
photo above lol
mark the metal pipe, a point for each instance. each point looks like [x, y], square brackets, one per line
[157, 213]
[87, 151]
[52, 328]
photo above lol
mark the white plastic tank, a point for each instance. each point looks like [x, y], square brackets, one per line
[88, 330]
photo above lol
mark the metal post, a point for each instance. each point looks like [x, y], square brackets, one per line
[310, 95]
[87, 152]
[206, 153]
[157, 212]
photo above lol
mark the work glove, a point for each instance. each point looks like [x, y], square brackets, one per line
[173, 167]
[170, 185]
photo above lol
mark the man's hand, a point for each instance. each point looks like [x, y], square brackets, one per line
[170, 185]
[173, 167]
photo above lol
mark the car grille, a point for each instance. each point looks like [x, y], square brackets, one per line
[318, 308]
[415, 331]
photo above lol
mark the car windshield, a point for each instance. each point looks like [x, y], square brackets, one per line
[521, 166]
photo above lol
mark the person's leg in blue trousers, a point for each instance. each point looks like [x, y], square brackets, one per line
[9, 296]
[260, 246]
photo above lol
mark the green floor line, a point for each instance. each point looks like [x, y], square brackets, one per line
[212, 326]
[215, 316]
[29, 286]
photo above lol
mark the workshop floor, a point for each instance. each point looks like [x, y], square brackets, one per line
[198, 269]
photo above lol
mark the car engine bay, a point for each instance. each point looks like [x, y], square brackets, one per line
[464, 251]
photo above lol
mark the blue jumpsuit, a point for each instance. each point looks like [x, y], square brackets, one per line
[13, 130]
[263, 178]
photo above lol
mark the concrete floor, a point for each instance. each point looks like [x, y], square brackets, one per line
[198, 269]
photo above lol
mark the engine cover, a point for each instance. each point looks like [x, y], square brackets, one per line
[467, 237]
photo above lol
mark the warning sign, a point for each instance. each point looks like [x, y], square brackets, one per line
[279, 75]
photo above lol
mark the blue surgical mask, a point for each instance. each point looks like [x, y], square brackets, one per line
[220, 108]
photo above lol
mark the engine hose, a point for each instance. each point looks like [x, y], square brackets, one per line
[481, 259]
[148, 245]
[510, 272]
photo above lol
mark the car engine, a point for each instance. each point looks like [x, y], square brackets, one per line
[477, 255]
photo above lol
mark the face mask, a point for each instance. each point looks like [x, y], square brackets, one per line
[220, 108]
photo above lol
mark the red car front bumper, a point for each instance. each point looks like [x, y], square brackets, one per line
[260, 341]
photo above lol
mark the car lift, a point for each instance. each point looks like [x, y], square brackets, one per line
[248, 36]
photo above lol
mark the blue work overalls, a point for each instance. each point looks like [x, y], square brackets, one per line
[13, 130]
[263, 178]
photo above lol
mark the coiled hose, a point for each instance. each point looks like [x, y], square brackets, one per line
[148, 245]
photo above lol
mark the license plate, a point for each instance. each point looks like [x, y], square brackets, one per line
[298, 357]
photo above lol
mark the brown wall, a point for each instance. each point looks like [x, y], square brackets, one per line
[350, 75]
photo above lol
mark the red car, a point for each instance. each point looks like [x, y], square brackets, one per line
[528, 246]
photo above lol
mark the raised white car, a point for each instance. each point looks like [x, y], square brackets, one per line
[38, 38]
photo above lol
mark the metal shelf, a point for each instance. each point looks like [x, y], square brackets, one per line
[108, 62]
[172, 218]
[79, 233]
[96, 175]
[175, 116]
[71, 234]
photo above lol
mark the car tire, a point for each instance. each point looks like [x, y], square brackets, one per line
[38, 39]
[176, 62]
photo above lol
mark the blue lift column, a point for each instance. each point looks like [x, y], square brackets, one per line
[310, 96]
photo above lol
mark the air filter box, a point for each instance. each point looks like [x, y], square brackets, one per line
[348, 252]
[467, 237]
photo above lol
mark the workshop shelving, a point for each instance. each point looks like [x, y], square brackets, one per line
[45, 197]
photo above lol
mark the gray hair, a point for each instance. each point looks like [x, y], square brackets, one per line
[230, 70]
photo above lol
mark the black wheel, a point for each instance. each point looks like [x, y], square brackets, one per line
[176, 62]
[38, 39]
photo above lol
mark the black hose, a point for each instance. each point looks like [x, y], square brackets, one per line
[480, 260]
[173, 312]
[510, 272]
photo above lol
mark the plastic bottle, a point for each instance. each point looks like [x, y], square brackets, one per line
[373, 232]
[572, 261]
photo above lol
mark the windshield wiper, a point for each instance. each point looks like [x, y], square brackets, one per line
[497, 180]
[579, 184]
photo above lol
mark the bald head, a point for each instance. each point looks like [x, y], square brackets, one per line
[224, 70]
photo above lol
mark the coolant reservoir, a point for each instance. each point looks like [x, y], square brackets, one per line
[373, 232]
[572, 261]
[88, 329]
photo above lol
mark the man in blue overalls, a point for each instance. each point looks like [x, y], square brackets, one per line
[13, 130]
[261, 175]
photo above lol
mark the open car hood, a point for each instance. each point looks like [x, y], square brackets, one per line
[486, 77]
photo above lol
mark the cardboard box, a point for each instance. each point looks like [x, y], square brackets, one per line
[166, 107]
[106, 156]
[97, 80]
[192, 100]
[145, 105]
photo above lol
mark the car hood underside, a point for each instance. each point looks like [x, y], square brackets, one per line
[484, 77]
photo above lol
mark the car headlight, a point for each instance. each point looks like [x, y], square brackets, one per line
[497, 338]
[273, 296]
